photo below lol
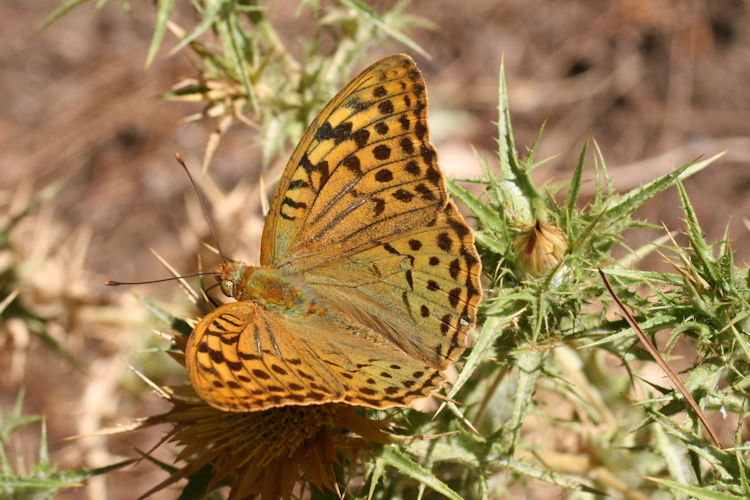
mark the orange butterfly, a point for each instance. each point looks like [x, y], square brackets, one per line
[369, 278]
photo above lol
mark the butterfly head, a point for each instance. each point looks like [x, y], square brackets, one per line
[231, 275]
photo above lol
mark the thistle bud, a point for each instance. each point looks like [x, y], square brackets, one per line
[540, 248]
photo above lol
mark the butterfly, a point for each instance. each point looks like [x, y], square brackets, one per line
[369, 279]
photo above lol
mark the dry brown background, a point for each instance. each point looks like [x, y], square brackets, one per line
[657, 83]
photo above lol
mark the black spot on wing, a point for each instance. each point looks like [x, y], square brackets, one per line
[405, 123]
[357, 104]
[360, 137]
[324, 132]
[381, 128]
[407, 146]
[342, 132]
[412, 167]
[389, 248]
[306, 164]
[420, 129]
[381, 152]
[385, 107]
[444, 242]
[454, 268]
[384, 175]
[403, 195]
[294, 204]
[297, 184]
[379, 207]
[425, 192]
[352, 163]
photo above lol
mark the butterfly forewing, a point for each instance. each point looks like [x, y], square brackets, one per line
[364, 170]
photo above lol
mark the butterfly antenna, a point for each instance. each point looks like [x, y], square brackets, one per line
[203, 205]
[118, 283]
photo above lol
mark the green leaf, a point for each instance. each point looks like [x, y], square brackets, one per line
[175, 323]
[703, 252]
[16, 419]
[520, 194]
[483, 212]
[653, 323]
[571, 200]
[645, 250]
[724, 464]
[600, 166]
[633, 276]
[490, 242]
[695, 491]
[492, 329]
[738, 453]
[211, 14]
[675, 457]
[622, 206]
[394, 457]
[366, 12]
[197, 485]
[76, 477]
[377, 472]
[233, 35]
[529, 362]
[163, 13]
[63, 9]
[15, 484]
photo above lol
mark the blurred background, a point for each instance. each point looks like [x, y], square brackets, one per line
[656, 83]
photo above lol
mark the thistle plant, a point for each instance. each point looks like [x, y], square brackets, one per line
[554, 389]
[551, 390]
[34, 477]
[554, 365]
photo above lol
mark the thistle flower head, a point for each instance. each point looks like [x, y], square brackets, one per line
[264, 453]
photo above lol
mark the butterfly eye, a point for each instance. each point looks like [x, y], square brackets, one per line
[227, 287]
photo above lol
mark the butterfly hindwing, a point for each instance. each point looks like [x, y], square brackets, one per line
[240, 357]
[420, 289]
[243, 358]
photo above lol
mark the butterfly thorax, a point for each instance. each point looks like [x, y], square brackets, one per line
[268, 288]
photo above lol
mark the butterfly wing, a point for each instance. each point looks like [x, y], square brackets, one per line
[362, 213]
[241, 357]
[420, 289]
[364, 170]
